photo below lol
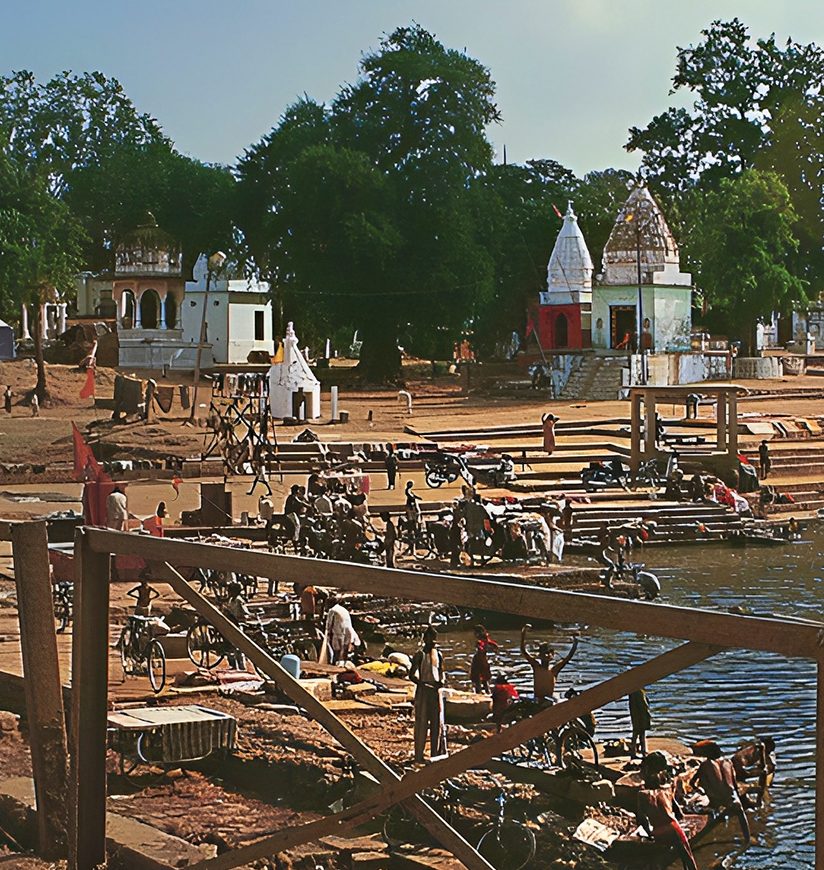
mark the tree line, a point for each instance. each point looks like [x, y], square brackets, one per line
[385, 211]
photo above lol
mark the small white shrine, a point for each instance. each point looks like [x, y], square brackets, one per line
[294, 391]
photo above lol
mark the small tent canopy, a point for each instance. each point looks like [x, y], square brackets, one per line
[6, 341]
[294, 391]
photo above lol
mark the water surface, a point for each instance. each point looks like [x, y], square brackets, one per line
[731, 697]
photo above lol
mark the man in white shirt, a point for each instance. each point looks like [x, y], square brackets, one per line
[117, 510]
[340, 635]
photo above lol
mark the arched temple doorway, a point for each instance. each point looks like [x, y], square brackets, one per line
[150, 309]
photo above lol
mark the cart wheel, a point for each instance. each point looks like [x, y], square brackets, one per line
[156, 665]
[204, 645]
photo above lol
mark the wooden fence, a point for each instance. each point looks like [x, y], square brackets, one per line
[706, 633]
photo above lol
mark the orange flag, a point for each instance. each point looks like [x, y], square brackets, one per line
[88, 388]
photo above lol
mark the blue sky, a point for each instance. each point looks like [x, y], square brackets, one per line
[572, 75]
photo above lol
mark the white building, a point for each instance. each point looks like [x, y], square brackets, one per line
[238, 315]
[291, 379]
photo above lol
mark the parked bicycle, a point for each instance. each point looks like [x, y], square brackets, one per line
[217, 583]
[63, 601]
[401, 827]
[141, 654]
[560, 747]
[207, 648]
[648, 476]
[507, 845]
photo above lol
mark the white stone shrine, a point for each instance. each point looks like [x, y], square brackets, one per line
[294, 391]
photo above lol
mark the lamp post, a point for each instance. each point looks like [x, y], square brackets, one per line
[213, 264]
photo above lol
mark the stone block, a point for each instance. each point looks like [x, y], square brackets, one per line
[320, 688]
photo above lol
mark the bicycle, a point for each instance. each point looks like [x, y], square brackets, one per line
[507, 844]
[566, 743]
[62, 600]
[140, 653]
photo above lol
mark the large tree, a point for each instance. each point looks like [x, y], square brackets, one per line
[757, 103]
[743, 244]
[41, 246]
[521, 225]
[371, 209]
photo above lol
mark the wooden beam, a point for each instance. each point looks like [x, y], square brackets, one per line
[475, 755]
[90, 685]
[798, 638]
[819, 770]
[43, 688]
[635, 433]
[433, 822]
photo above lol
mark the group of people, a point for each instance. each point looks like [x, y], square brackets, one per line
[34, 401]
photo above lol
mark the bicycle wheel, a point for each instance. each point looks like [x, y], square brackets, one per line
[508, 846]
[204, 645]
[156, 665]
[62, 610]
[571, 744]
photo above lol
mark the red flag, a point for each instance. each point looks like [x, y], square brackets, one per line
[86, 467]
[558, 213]
[88, 388]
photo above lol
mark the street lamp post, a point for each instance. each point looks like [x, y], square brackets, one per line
[213, 264]
[640, 330]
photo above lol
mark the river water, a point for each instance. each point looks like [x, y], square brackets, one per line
[731, 697]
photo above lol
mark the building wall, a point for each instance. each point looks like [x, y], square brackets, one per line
[217, 322]
[577, 337]
[668, 309]
[242, 328]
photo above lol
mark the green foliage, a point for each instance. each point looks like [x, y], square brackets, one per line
[757, 104]
[742, 238]
[40, 240]
[521, 227]
[370, 212]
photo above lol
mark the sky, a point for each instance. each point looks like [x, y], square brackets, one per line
[572, 75]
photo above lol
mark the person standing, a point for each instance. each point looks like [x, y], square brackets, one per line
[548, 422]
[545, 669]
[390, 538]
[340, 635]
[35, 405]
[480, 672]
[641, 719]
[7, 399]
[413, 514]
[117, 510]
[391, 463]
[427, 673]
[764, 458]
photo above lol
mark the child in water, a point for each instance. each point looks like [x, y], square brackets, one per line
[481, 673]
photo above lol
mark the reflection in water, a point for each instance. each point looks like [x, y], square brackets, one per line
[736, 695]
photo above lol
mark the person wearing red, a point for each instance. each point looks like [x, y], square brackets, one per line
[548, 422]
[504, 695]
[480, 672]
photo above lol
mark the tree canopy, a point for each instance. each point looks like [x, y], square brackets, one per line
[373, 205]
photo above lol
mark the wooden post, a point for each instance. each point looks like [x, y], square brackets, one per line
[43, 687]
[819, 769]
[721, 422]
[635, 433]
[441, 830]
[733, 427]
[90, 686]
[650, 406]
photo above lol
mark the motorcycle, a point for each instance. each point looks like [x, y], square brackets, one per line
[444, 468]
[600, 475]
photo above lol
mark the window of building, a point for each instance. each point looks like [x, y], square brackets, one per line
[259, 333]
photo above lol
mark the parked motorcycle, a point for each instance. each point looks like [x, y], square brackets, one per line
[601, 475]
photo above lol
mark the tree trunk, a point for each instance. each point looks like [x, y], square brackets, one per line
[380, 357]
[40, 387]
